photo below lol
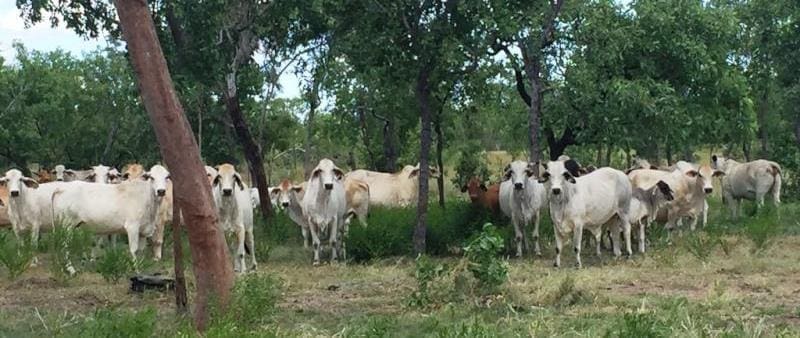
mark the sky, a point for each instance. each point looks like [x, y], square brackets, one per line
[42, 37]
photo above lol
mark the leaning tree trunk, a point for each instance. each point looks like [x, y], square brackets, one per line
[533, 69]
[252, 152]
[210, 260]
[423, 93]
[181, 299]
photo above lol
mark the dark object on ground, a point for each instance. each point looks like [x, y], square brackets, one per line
[157, 282]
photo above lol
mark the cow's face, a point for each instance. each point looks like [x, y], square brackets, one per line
[59, 171]
[132, 171]
[43, 176]
[474, 188]
[327, 173]
[14, 182]
[102, 174]
[159, 176]
[556, 177]
[227, 179]
[704, 177]
[433, 172]
[518, 173]
[284, 193]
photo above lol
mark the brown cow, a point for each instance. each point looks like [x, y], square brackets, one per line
[481, 196]
[4, 220]
[43, 176]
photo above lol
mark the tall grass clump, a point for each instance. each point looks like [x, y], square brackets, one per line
[68, 248]
[762, 231]
[15, 256]
[115, 264]
[253, 303]
[117, 323]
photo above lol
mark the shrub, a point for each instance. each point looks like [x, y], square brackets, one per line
[568, 294]
[118, 323]
[701, 245]
[638, 325]
[470, 163]
[761, 231]
[425, 273]
[67, 246]
[115, 264]
[254, 300]
[15, 256]
[486, 266]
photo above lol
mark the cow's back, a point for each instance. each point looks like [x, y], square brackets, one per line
[744, 179]
[602, 193]
[385, 188]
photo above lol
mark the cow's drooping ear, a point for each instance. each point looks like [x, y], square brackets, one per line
[652, 167]
[665, 190]
[338, 173]
[126, 176]
[146, 176]
[507, 172]
[530, 169]
[216, 180]
[315, 173]
[297, 188]
[714, 158]
[718, 173]
[545, 177]
[570, 178]
[274, 190]
[30, 183]
[413, 173]
[238, 179]
[3, 181]
[69, 172]
[483, 187]
[91, 176]
[463, 188]
[573, 167]
[692, 173]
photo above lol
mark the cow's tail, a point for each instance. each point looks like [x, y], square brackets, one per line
[775, 170]
[55, 194]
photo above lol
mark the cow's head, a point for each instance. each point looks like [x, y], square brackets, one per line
[102, 174]
[704, 177]
[433, 172]
[132, 171]
[518, 173]
[211, 173]
[327, 173]
[227, 179]
[16, 182]
[557, 176]
[719, 163]
[474, 188]
[60, 172]
[43, 176]
[159, 176]
[284, 192]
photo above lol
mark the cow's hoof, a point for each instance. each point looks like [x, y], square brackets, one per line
[555, 265]
[316, 263]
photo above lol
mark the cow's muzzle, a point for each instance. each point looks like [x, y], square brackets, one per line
[161, 192]
[328, 186]
[227, 192]
[14, 193]
[556, 191]
[517, 186]
[708, 190]
[285, 204]
[60, 179]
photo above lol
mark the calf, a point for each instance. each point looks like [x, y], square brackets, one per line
[102, 174]
[67, 175]
[132, 171]
[521, 198]
[483, 197]
[587, 202]
[232, 198]
[644, 206]
[751, 181]
[325, 205]
[397, 190]
[4, 220]
[162, 183]
[357, 197]
[29, 204]
[289, 197]
[43, 176]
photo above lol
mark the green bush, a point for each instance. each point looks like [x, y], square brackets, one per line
[486, 266]
[471, 163]
[67, 247]
[15, 256]
[426, 272]
[254, 300]
[701, 244]
[638, 325]
[761, 230]
[115, 264]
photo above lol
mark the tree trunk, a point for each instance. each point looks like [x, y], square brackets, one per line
[609, 153]
[797, 129]
[307, 158]
[599, 159]
[533, 69]
[112, 133]
[763, 111]
[628, 158]
[252, 152]
[746, 150]
[557, 147]
[362, 119]
[669, 153]
[439, 160]
[389, 148]
[423, 93]
[181, 298]
[210, 261]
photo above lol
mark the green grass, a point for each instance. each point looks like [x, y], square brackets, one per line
[730, 279]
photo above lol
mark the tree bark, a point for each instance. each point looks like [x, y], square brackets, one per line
[252, 151]
[439, 160]
[762, 112]
[423, 93]
[210, 261]
[181, 298]
[112, 133]
[797, 129]
[362, 119]
[533, 70]
[609, 153]
[558, 146]
[313, 102]
[389, 148]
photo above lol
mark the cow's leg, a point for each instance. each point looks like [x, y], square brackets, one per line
[133, 240]
[626, 233]
[615, 235]
[576, 243]
[306, 237]
[240, 238]
[559, 244]
[251, 243]
[536, 248]
[598, 240]
[314, 241]
[641, 235]
[705, 213]
[693, 224]
[333, 239]
[518, 237]
[158, 240]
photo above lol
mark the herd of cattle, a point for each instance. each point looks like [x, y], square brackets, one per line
[138, 203]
